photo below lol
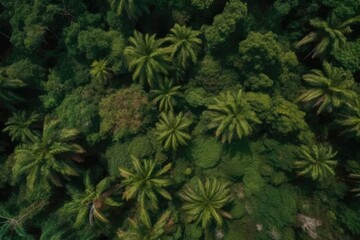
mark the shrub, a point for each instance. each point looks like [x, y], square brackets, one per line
[206, 152]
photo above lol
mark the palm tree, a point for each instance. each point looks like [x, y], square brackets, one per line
[100, 72]
[47, 156]
[328, 35]
[144, 181]
[330, 88]
[355, 190]
[184, 44]
[89, 204]
[352, 121]
[7, 85]
[145, 58]
[172, 130]
[230, 115]
[204, 202]
[316, 161]
[18, 126]
[13, 224]
[166, 95]
[133, 8]
[140, 229]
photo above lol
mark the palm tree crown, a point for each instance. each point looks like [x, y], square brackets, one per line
[40, 159]
[330, 88]
[329, 35]
[100, 72]
[230, 115]
[7, 85]
[316, 161]
[172, 130]
[146, 59]
[88, 204]
[184, 44]
[352, 121]
[18, 126]
[133, 8]
[204, 202]
[166, 95]
[143, 181]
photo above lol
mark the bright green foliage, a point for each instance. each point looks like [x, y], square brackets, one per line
[166, 95]
[87, 205]
[7, 87]
[146, 59]
[19, 126]
[172, 130]
[140, 229]
[329, 35]
[230, 115]
[330, 88]
[123, 112]
[144, 182]
[351, 122]
[204, 202]
[12, 225]
[206, 151]
[184, 45]
[133, 8]
[225, 23]
[316, 161]
[100, 72]
[47, 157]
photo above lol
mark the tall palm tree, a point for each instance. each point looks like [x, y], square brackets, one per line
[100, 72]
[316, 161]
[7, 86]
[351, 121]
[145, 58]
[166, 95]
[47, 156]
[140, 229]
[204, 202]
[172, 130]
[144, 182]
[19, 126]
[133, 8]
[89, 204]
[184, 44]
[231, 114]
[330, 88]
[328, 35]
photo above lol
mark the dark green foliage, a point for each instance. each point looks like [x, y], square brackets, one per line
[349, 56]
[19, 126]
[351, 220]
[260, 82]
[206, 152]
[225, 23]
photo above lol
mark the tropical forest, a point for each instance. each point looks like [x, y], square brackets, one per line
[179, 119]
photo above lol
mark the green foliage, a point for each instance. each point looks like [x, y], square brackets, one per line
[7, 86]
[19, 126]
[351, 121]
[184, 45]
[89, 204]
[144, 181]
[329, 35]
[225, 23]
[123, 112]
[79, 110]
[349, 56]
[204, 202]
[260, 82]
[146, 59]
[202, 4]
[351, 220]
[166, 95]
[206, 152]
[47, 157]
[231, 114]
[316, 161]
[172, 130]
[330, 88]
